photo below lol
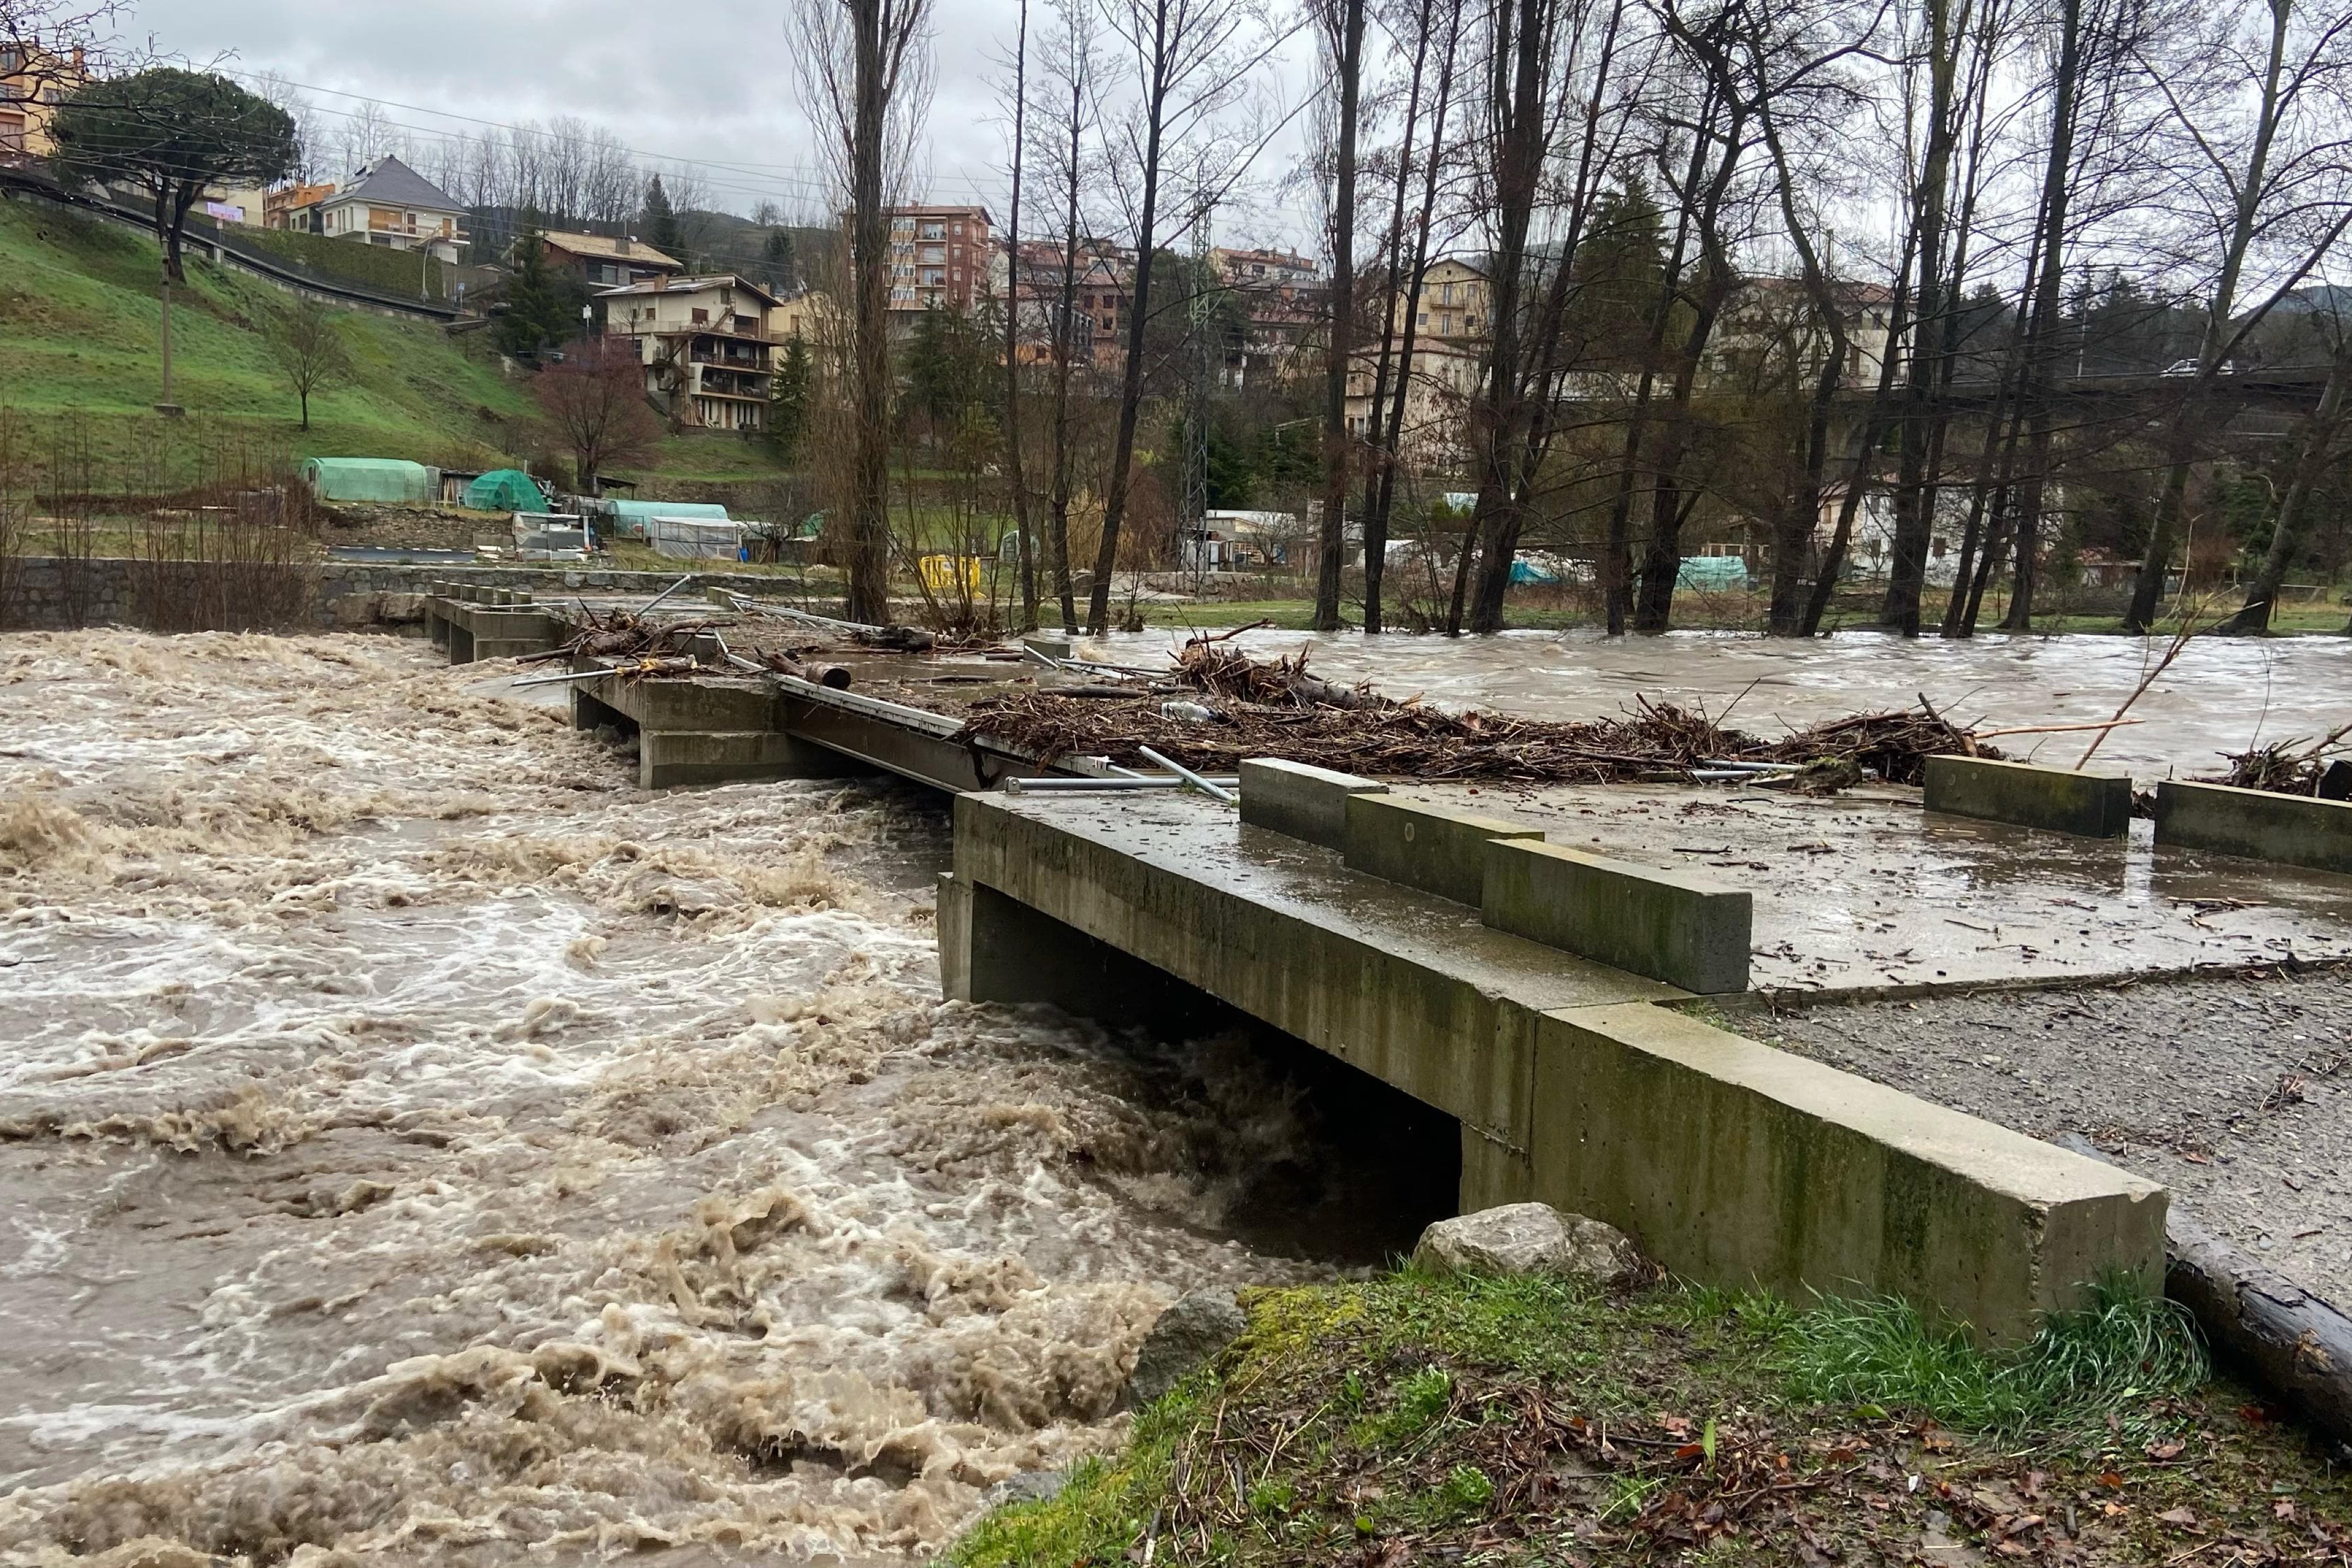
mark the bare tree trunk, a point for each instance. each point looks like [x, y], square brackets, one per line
[869, 520]
[1520, 113]
[1376, 524]
[1914, 522]
[2317, 453]
[1345, 21]
[1012, 462]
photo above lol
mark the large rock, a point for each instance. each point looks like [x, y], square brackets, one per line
[1188, 1336]
[1528, 1239]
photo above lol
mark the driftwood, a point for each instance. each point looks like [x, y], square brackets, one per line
[2295, 1346]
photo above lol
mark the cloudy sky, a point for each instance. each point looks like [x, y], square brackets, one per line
[710, 83]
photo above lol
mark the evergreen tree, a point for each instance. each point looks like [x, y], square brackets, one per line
[776, 257]
[658, 224]
[788, 392]
[542, 306]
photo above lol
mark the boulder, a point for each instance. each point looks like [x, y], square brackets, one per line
[1188, 1336]
[1528, 1239]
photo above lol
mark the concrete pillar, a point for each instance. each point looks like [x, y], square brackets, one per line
[589, 712]
[1672, 925]
[2298, 830]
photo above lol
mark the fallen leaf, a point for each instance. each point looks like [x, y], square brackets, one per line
[2111, 1480]
[2180, 1516]
[2164, 1450]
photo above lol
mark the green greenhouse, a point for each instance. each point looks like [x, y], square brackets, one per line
[505, 489]
[384, 480]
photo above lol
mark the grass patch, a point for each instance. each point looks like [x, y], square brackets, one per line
[1406, 1418]
[2109, 1359]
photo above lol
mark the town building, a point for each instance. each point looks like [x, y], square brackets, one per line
[707, 343]
[604, 262]
[1451, 321]
[294, 205]
[33, 82]
[1770, 335]
[939, 257]
[1102, 296]
[389, 203]
[1283, 300]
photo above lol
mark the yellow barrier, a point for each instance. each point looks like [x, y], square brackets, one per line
[951, 574]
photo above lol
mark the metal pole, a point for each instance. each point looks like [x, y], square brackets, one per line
[666, 593]
[1189, 776]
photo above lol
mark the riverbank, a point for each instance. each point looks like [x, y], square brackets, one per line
[1408, 1419]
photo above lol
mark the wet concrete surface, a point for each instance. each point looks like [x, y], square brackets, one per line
[2236, 1094]
[1190, 835]
[1865, 890]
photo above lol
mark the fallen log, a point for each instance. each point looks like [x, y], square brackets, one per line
[2294, 1344]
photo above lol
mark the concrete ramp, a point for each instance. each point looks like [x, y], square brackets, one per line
[1574, 1081]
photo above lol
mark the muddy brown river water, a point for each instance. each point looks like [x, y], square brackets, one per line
[415, 1145]
[418, 1146]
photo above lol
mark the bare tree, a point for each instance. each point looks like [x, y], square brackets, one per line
[2322, 442]
[2259, 175]
[1073, 75]
[1401, 293]
[861, 67]
[593, 404]
[1341, 24]
[1189, 58]
[1010, 420]
[307, 342]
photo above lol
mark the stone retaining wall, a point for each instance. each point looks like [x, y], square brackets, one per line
[50, 594]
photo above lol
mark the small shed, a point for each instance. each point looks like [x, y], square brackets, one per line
[386, 480]
[695, 538]
[505, 489]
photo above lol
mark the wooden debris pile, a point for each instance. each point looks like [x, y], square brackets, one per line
[1277, 709]
[2294, 767]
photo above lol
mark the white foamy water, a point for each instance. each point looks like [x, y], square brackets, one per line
[415, 1145]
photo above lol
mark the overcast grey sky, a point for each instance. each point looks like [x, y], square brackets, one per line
[703, 82]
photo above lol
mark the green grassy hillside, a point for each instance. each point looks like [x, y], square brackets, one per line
[79, 319]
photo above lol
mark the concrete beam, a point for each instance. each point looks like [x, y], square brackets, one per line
[1729, 1161]
[2089, 806]
[1425, 847]
[1688, 930]
[1411, 990]
[1304, 801]
[668, 759]
[2296, 829]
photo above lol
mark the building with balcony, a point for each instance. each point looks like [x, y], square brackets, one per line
[606, 263]
[389, 203]
[33, 82]
[707, 343]
[939, 257]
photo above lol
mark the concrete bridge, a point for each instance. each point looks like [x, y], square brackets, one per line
[1548, 1001]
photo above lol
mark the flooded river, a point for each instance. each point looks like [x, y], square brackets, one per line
[416, 1143]
[418, 1146]
[2222, 694]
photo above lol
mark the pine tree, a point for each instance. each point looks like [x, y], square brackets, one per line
[788, 401]
[659, 223]
[543, 307]
[782, 266]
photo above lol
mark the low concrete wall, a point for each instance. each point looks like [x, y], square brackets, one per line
[1425, 847]
[1686, 929]
[2296, 829]
[2090, 805]
[1304, 801]
[1732, 1162]
[1728, 1161]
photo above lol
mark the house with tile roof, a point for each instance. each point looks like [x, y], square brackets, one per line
[389, 203]
[604, 262]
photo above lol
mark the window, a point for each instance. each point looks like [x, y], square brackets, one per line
[932, 231]
[701, 317]
[1422, 320]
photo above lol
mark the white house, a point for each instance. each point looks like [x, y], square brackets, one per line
[389, 203]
